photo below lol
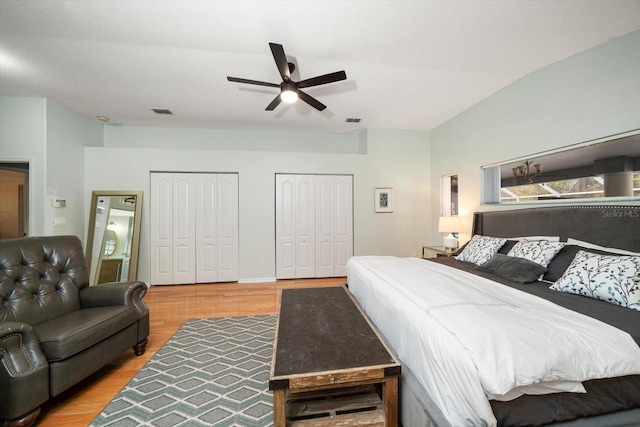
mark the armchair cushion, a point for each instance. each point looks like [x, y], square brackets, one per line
[64, 336]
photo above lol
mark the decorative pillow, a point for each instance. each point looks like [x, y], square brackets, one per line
[611, 278]
[519, 270]
[511, 242]
[572, 241]
[480, 249]
[508, 245]
[550, 238]
[563, 259]
[540, 251]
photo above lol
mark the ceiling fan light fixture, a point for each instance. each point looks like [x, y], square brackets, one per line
[289, 94]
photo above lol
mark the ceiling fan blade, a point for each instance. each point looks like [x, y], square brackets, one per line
[252, 82]
[321, 80]
[276, 101]
[281, 61]
[311, 101]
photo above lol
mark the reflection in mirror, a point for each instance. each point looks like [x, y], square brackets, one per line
[608, 167]
[113, 236]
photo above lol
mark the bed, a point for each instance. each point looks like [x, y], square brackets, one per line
[480, 348]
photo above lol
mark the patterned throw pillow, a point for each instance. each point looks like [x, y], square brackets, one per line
[480, 249]
[539, 251]
[611, 278]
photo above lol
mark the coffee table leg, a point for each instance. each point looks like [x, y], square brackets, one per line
[279, 415]
[391, 401]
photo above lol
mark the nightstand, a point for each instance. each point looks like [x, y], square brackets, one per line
[436, 251]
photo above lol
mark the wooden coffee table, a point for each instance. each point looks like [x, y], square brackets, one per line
[330, 365]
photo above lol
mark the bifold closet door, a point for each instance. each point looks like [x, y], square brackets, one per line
[184, 228]
[216, 221]
[314, 223]
[206, 222]
[161, 202]
[227, 227]
[334, 224]
[295, 226]
[194, 228]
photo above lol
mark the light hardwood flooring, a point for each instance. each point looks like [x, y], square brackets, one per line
[169, 307]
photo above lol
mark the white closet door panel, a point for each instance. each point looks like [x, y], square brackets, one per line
[163, 265]
[228, 190]
[161, 229]
[285, 226]
[227, 227]
[206, 228]
[286, 261]
[343, 231]
[324, 209]
[305, 253]
[184, 229]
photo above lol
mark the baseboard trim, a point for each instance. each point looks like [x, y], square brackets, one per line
[257, 280]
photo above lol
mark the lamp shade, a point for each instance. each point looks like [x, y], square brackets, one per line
[449, 224]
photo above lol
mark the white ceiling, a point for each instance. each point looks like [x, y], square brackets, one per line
[409, 64]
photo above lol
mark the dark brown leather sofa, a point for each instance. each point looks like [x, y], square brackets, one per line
[55, 329]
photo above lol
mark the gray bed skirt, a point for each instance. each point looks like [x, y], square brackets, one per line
[417, 410]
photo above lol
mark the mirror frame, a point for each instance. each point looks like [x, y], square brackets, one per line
[135, 237]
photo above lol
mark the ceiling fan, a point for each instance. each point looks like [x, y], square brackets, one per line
[290, 90]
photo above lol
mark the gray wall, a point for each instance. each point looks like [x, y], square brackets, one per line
[398, 159]
[67, 135]
[590, 95]
[22, 139]
[51, 139]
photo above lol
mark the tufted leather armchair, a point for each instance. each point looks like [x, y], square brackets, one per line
[55, 329]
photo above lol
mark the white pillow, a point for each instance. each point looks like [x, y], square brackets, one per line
[550, 238]
[577, 242]
[480, 249]
[611, 278]
[539, 251]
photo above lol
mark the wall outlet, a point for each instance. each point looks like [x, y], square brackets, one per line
[265, 258]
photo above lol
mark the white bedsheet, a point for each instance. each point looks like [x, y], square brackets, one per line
[467, 338]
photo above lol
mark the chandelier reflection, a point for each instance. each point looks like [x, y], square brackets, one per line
[524, 170]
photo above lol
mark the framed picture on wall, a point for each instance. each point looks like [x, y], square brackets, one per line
[383, 199]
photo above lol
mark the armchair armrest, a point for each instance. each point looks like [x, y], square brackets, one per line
[24, 370]
[20, 350]
[117, 293]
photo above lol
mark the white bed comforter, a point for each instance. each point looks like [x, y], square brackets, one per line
[467, 338]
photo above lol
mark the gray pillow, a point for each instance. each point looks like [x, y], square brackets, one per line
[516, 269]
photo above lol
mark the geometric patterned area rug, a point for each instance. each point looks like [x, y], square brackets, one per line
[211, 372]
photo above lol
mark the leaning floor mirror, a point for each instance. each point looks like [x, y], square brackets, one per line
[113, 236]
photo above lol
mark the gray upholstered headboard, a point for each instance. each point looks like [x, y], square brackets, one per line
[610, 226]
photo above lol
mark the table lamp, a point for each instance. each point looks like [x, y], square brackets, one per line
[449, 224]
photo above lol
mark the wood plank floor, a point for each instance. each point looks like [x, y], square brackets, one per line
[169, 307]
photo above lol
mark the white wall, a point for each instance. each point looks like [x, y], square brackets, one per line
[22, 139]
[67, 135]
[590, 95]
[398, 159]
[52, 139]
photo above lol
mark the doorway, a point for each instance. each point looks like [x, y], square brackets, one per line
[14, 199]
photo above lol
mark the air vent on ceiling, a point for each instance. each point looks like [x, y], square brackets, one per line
[353, 120]
[161, 111]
